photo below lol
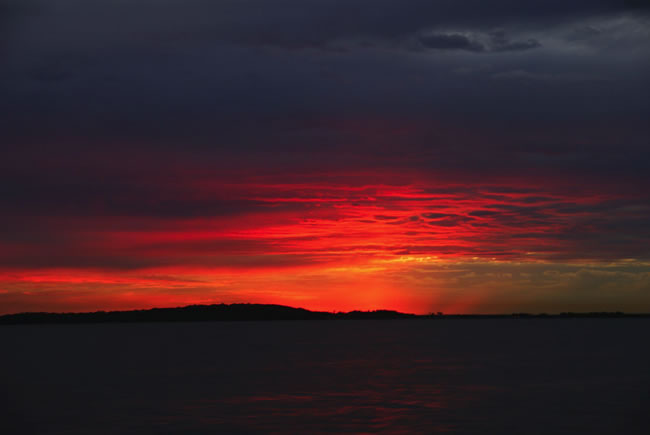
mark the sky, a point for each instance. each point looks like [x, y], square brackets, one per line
[417, 155]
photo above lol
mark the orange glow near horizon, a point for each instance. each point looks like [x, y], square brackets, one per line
[420, 247]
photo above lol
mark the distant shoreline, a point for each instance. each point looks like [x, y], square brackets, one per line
[265, 312]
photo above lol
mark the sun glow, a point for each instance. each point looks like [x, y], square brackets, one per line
[415, 246]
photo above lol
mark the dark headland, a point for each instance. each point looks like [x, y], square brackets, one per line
[263, 312]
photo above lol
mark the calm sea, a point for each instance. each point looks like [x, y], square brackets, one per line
[499, 376]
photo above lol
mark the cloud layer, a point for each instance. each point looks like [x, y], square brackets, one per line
[245, 150]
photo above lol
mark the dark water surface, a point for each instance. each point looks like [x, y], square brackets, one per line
[500, 376]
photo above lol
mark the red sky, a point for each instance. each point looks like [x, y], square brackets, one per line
[364, 240]
[410, 155]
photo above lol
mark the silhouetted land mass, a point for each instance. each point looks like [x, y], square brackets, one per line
[259, 312]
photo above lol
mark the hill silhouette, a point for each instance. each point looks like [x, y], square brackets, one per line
[199, 313]
[258, 312]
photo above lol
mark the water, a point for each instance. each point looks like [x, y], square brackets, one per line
[402, 376]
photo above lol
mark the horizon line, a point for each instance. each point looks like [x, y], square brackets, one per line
[282, 312]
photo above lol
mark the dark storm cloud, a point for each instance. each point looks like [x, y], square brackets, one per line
[496, 41]
[113, 30]
[501, 42]
[127, 67]
[451, 41]
[543, 90]
[290, 23]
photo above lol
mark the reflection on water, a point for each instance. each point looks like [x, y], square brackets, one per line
[440, 376]
[355, 395]
[363, 410]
